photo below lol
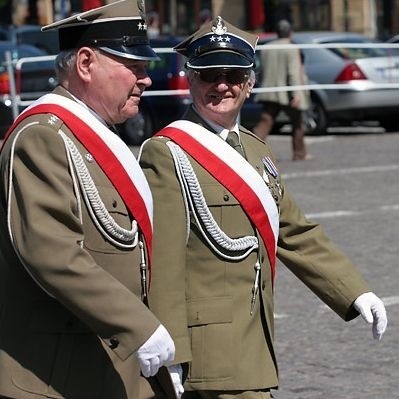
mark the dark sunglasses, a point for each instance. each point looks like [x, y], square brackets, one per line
[232, 76]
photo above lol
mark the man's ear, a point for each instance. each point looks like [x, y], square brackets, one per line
[250, 86]
[85, 59]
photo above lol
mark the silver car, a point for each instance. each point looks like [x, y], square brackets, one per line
[360, 68]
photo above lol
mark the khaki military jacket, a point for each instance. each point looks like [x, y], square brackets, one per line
[71, 316]
[204, 300]
[283, 67]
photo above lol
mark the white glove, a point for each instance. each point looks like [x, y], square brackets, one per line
[176, 373]
[157, 351]
[373, 311]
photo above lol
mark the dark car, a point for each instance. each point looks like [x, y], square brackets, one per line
[157, 109]
[32, 34]
[32, 80]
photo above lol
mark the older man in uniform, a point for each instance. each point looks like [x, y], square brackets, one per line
[76, 224]
[221, 216]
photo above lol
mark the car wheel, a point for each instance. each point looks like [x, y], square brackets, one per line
[136, 130]
[316, 119]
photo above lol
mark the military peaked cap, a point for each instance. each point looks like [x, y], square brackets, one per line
[118, 28]
[219, 44]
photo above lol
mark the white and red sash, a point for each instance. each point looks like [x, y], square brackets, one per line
[230, 169]
[109, 151]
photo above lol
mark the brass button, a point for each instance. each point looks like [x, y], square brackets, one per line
[226, 197]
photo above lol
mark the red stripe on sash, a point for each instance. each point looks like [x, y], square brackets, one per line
[105, 159]
[225, 175]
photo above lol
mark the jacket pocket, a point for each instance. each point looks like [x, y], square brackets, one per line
[217, 195]
[94, 239]
[211, 332]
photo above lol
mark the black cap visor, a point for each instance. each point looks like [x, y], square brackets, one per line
[220, 59]
[141, 52]
[123, 38]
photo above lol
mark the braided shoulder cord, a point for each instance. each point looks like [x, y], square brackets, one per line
[104, 221]
[170, 144]
[75, 186]
[202, 214]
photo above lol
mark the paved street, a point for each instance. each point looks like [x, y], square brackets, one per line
[352, 188]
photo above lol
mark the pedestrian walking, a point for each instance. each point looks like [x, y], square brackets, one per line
[284, 67]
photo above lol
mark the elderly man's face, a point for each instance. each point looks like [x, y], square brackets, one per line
[218, 94]
[116, 86]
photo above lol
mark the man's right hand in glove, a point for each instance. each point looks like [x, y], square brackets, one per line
[157, 351]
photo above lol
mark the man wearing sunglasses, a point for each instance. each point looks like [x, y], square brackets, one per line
[222, 214]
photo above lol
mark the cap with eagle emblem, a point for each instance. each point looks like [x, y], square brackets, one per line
[219, 44]
[118, 28]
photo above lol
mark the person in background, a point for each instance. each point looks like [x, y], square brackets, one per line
[20, 12]
[205, 15]
[222, 215]
[76, 224]
[153, 30]
[283, 67]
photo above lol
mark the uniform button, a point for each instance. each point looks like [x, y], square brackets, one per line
[262, 258]
[114, 203]
[113, 343]
[226, 197]
[263, 285]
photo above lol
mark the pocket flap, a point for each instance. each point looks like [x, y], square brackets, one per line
[218, 195]
[210, 311]
[111, 200]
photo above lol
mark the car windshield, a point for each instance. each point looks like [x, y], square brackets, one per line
[359, 52]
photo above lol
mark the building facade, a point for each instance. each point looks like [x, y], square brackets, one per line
[375, 18]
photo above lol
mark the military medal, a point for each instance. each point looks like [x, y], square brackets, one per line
[270, 166]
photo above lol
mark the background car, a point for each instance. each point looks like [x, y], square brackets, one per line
[33, 35]
[33, 80]
[360, 68]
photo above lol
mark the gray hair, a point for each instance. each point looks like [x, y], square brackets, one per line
[283, 28]
[64, 63]
[252, 78]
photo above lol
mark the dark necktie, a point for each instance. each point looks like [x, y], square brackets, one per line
[233, 140]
